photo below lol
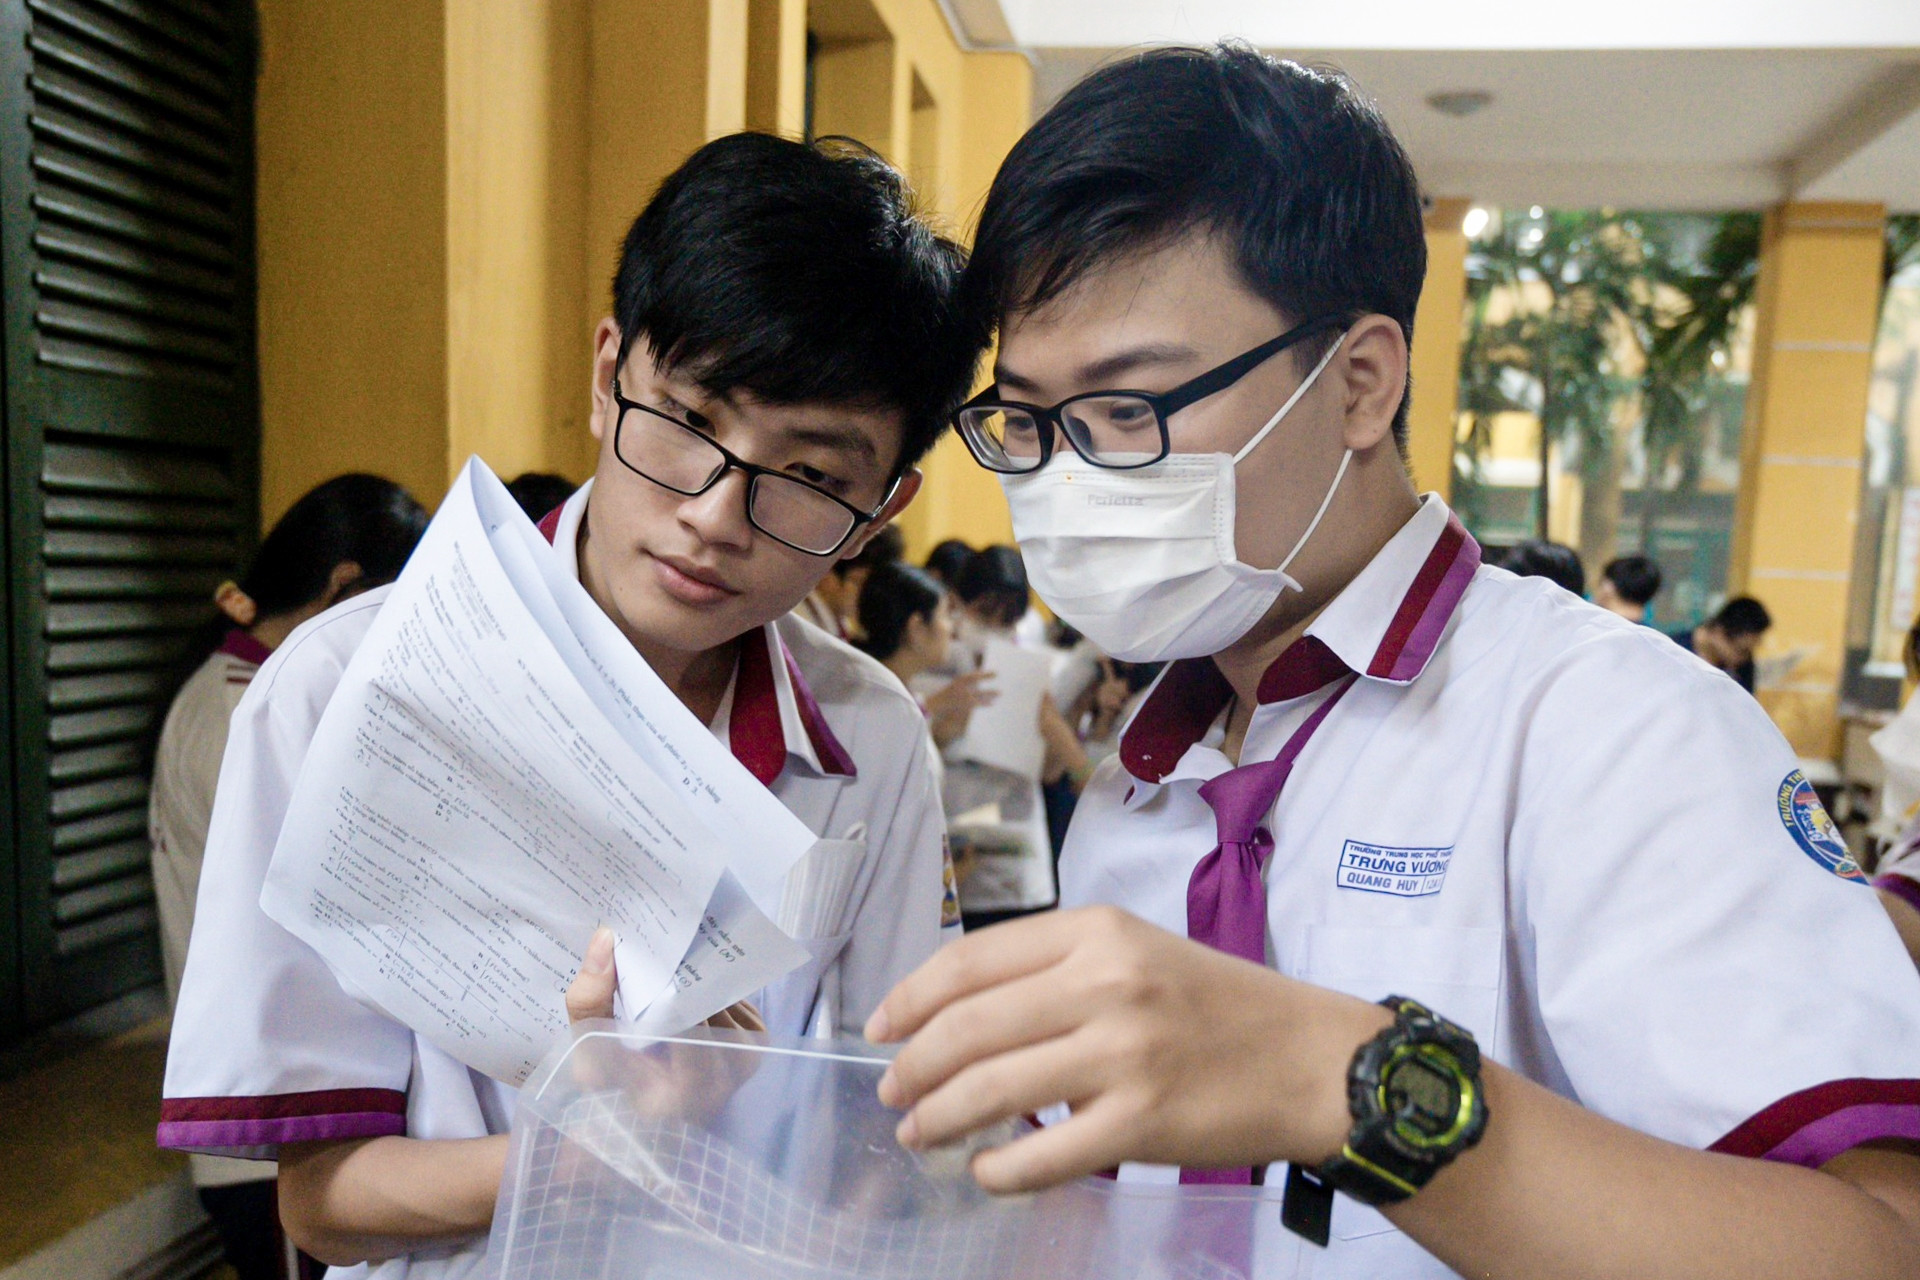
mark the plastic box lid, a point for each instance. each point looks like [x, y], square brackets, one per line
[721, 1155]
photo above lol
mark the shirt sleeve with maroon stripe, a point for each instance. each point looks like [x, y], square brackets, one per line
[1708, 964]
[266, 1046]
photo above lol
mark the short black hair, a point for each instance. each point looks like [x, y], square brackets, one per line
[1742, 616]
[1636, 579]
[894, 594]
[1554, 561]
[366, 519]
[801, 273]
[994, 581]
[947, 559]
[1296, 172]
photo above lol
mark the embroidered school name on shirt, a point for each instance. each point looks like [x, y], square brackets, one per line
[1404, 873]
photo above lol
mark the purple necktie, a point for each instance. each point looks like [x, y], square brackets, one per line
[1226, 898]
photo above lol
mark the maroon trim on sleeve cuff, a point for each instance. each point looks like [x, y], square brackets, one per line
[1814, 1125]
[215, 1124]
[1902, 887]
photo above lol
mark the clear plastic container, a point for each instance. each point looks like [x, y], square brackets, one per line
[723, 1156]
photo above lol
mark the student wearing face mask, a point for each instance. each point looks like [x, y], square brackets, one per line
[1633, 1015]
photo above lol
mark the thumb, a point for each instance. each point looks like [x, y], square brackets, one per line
[591, 995]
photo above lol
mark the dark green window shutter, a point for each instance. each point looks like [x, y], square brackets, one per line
[132, 440]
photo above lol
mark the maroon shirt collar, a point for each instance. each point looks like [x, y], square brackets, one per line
[1190, 694]
[238, 644]
[756, 728]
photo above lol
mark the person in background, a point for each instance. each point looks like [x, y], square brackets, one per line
[992, 589]
[1729, 638]
[997, 820]
[351, 533]
[1897, 877]
[833, 605]
[1554, 561]
[1106, 705]
[539, 492]
[906, 622]
[945, 560]
[1627, 587]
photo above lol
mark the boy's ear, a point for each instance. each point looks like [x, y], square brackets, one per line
[903, 493]
[1373, 360]
[606, 363]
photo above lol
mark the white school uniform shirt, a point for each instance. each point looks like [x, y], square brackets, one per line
[1554, 827]
[267, 1048]
[186, 765]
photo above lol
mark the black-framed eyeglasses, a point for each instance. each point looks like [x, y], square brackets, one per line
[1119, 430]
[678, 456]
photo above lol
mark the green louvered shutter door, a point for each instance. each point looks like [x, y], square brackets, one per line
[132, 440]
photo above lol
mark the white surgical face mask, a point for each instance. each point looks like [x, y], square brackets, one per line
[1142, 562]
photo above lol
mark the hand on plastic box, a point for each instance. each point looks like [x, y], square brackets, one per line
[1166, 1050]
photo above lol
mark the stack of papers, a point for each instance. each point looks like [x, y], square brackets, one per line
[498, 774]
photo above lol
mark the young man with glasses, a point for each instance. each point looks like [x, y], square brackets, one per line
[1638, 1016]
[785, 344]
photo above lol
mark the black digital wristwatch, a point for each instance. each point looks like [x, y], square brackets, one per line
[1414, 1092]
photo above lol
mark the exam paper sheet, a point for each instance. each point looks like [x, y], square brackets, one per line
[1006, 732]
[469, 811]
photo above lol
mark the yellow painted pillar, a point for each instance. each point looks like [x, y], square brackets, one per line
[777, 66]
[1437, 331]
[1818, 300]
[663, 77]
[961, 499]
[853, 93]
[516, 344]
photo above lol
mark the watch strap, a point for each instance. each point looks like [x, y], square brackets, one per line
[1371, 1166]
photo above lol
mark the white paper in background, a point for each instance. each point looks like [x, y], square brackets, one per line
[762, 836]
[467, 815]
[1006, 732]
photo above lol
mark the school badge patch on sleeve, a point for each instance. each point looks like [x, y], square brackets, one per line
[1807, 821]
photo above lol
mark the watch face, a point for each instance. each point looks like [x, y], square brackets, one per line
[1424, 1097]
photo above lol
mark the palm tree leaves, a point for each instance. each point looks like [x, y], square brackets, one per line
[1603, 326]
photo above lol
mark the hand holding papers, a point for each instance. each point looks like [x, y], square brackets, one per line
[495, 776]
[1005, 733]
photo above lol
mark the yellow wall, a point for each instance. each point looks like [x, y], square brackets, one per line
[351, 207]
[1818, 299]
[444, 185]
[1437, 331]
[961, 499]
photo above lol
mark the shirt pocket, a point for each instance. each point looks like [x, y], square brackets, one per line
[792, 1005]
[818, 898]
[1453, 970]
[816, 910]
